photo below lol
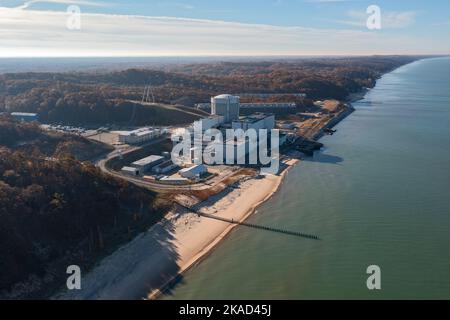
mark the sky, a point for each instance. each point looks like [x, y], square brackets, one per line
[78, 28]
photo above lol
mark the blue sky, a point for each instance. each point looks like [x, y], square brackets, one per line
[232, 27]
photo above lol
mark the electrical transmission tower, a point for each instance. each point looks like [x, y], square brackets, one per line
[148, 91]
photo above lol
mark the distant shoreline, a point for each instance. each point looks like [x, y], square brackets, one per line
[192, 239]
[353, 98]
[118, 63]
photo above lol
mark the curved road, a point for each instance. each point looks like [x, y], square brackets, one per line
[155, 186]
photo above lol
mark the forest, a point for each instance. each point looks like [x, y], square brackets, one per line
[56, 211]
[107, 97]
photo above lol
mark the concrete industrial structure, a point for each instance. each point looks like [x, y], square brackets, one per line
[236, 150]
[145, 164]
[213, 121]
[193, 172]
[164, 167]
[25, 116]
[130, 171]
[225, 115]
[174, 180]
[226, 105]
[139, 136]
[255, 121]
[203, 106]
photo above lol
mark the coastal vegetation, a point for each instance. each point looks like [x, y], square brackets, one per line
[56, 210]
[30, 139]
[108, 97]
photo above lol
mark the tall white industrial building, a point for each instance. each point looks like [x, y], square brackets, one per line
[227, 106]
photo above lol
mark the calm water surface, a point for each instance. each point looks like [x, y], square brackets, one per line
[379, 193]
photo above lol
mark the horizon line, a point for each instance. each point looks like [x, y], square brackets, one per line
[230, 56]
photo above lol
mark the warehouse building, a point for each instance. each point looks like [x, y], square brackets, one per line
[130, 171]
[139, 136]
[174, 180]
[145, 164]
[164, 167]
[25, 116]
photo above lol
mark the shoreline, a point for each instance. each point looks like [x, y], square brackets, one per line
[120, 277]
[205, 252]
[148, 267]
[351, 99]
[142, 269]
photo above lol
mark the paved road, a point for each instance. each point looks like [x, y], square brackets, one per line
[155, 186]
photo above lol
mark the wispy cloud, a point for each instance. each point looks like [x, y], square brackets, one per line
[181, 5]
[44, 33]
[28, 4]
[328, 1]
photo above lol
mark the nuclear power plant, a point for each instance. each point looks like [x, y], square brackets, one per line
[227, 106]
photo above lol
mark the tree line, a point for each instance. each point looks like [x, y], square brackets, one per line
[105, 97]
[56, 210]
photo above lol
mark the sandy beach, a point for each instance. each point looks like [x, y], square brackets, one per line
[156, 258]
[150, 264]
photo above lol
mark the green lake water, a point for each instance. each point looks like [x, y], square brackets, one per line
[378, 194]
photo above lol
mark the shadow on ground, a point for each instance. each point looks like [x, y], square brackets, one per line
[324, 158]
[132, 272]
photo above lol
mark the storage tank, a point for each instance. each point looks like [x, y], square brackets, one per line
[227, 106]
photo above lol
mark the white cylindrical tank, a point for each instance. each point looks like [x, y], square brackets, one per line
[227, 106]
